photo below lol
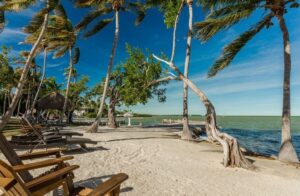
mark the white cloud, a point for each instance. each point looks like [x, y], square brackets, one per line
[10, 35]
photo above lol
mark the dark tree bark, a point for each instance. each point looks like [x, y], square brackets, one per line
[112, 123]
[287, 152]
[68, 88]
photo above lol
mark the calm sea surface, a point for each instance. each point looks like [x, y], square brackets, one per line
[257, 133]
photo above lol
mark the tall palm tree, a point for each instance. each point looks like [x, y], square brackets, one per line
[100, 8]
[40, 18]
[64, 41]
[73, 60]
[56, 25]
[186, 133]
[172, 10]
[12, 6]
[223, 15]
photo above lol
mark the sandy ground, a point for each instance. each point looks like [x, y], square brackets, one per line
[159, 163]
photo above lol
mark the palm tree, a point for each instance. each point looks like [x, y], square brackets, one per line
[12, 6]
[63, 40]
[40, 18]
[223, 15]
[101, 8]
[186, 133]
[73, 60]
[52, 41]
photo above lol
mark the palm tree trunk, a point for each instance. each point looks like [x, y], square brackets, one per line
[186, 133]
[68, 84]
[112, 123]
[175, 29]
[4, 103]
[19, 106]
[28, 98]
[24, 74]
[287, 152]
[42, 80]
[95, 125]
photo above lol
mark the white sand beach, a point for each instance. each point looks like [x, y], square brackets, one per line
[159, 163]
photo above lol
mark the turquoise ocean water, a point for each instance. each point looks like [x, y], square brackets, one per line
[259, 134]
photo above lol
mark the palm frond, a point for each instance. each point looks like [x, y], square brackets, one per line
[16, 5]
[139, 9]
[52, 5]
[231, 50]
[99, 26]
[208, 28]
[60, 52]
[76, 55]
[211, 4]
[60, 11]
[223, 11]
[86, 3]
[36, 22]
[91, 16]
[2, 21]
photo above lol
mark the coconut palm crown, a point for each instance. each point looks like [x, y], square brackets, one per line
[100, 13]
[225, 13]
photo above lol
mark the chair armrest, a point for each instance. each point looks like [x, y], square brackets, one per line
[6, 183]
[53, 176]
[109, 185]
[34, 155]
[41, 164]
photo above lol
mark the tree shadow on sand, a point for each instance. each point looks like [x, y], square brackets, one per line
[92, 183]
[145, 138]
[84, 151]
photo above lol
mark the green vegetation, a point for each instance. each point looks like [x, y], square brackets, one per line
[133, 82]
[141, 76]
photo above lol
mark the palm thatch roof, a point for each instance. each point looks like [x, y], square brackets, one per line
[53, 101]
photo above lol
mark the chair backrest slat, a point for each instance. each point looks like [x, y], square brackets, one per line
[16, 189]
[12, 157]
[37, 132]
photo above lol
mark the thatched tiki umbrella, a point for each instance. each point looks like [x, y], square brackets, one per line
[54, 101]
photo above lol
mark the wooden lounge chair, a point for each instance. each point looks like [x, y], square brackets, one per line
[35, 138]
[40, 143]
[28, 128]
[11, 184]
[16, 180]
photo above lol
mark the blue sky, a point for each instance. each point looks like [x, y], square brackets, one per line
[252, 85]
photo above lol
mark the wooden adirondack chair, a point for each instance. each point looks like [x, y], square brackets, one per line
[12, 185]
[16, 179]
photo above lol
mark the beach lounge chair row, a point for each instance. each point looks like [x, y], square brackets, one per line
[37, 136]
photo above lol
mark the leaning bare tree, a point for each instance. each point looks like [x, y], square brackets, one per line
[225, 14]
[233, 155]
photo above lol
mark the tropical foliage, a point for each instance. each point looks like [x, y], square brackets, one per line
[223, 14]
[134, 82]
